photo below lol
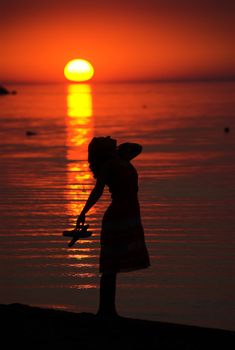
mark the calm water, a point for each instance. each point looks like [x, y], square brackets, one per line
[187, 197]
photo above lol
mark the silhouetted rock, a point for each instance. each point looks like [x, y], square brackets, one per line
[4, 91]
[30, 133]
[47, 329]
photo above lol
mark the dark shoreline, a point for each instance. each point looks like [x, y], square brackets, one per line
[44, 328]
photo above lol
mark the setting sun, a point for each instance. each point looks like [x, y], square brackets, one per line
[78, 70]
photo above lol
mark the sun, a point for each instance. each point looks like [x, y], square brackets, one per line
[78, 70]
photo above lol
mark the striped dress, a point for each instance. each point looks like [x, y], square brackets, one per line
[123, 245]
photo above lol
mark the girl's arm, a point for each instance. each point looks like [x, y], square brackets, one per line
[94, 196]
[129, 150]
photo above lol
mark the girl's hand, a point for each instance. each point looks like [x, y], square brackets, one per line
[80, 220]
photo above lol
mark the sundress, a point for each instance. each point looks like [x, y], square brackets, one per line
[122, 240]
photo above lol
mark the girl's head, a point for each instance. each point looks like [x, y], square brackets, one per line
[100, 149]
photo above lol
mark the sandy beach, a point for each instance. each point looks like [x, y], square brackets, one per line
[44, 328]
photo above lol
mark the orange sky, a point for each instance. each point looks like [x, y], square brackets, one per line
[124, 40]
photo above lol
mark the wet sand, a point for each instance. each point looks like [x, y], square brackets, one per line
[48, 328]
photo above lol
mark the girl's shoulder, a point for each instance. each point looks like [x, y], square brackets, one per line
[113, 165]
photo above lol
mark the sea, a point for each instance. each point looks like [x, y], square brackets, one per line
[186, 192]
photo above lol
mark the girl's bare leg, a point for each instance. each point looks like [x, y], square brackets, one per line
[107, 294]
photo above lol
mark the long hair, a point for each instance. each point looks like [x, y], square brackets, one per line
[100, 149]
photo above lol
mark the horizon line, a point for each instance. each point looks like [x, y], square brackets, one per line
[130, 81]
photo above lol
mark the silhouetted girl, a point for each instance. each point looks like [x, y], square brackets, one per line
[122, 236]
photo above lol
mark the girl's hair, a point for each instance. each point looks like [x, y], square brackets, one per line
[100, 149]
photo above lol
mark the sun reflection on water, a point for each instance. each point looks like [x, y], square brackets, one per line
[80, 130]
[80, 127]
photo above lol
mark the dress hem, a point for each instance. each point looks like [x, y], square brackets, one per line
[130, 269]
